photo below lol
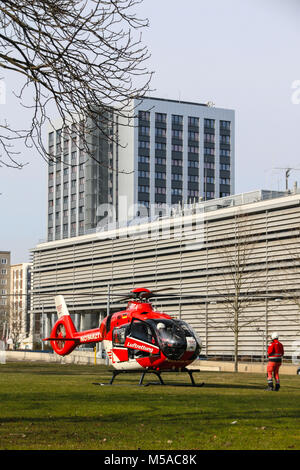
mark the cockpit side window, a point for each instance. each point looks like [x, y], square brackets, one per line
[140, 330]
[119, 335]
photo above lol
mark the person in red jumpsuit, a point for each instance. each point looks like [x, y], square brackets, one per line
[275, 355]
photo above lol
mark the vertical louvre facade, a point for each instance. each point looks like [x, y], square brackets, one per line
[192, 254]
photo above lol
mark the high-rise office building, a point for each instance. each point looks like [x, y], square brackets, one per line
[164, 153]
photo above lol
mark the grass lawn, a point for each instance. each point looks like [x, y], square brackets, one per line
[57, 407]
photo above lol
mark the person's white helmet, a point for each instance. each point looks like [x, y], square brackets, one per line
[160, 325]
[275, 335]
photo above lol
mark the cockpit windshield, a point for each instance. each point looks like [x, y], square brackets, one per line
[174, 337]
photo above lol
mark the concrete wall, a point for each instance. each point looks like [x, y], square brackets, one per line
[85, 357]
[82, 357]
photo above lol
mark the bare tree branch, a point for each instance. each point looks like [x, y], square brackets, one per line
[85, 57]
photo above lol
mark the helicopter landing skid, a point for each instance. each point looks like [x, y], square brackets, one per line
[115, 373]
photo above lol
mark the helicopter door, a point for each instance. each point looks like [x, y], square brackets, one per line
[141, 340]
[119, 351]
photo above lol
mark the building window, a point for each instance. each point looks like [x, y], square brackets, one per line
[159, 190]
[193, 179]
[176, 162]
[192, 149]
[160, 176]
[209, 138]
[160, 132]
[177, 119]
[160, 146]
[209, 151]
[224, 139]
[176, 192]
[193, 193]
[176, 177]
[225, 125]
[177, 134]
[193, 164]
[144, 145]
[193, 121]
[160, 117]
[3, 261]
[209, 165]
[177, 148]
[193, 135]
[209, 179]
[143, 159]
[144, 130]
[224, 181]
[160, 160]
[143, 174]
[144, 115]
[224, 166]
[51, 139]
[209, 123]
[224, 153]
[143, 189]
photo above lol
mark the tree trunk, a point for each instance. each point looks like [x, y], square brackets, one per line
[236, 351]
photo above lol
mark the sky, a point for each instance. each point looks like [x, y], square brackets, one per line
[239, 54]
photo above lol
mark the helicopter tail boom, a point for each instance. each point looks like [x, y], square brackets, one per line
[64, 337]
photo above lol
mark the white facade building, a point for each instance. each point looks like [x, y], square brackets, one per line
[164, 153]
[19, 316]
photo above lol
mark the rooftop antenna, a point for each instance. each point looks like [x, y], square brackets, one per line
[287, 175]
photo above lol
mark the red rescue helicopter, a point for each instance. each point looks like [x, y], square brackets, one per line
[138, 339]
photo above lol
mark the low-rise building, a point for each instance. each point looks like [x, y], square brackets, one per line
[20, 281]
[234, 263]
[4, 292]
